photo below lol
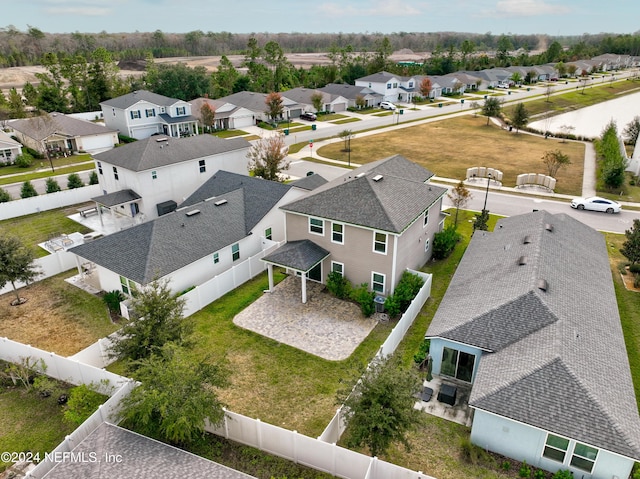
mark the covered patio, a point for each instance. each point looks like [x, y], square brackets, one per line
[123, 203]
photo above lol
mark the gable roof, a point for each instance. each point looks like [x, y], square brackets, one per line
[43, 126]
[390, 202]
[148, 251]
[157, 151]
[382, 77]
[125, 101]
[553, 352]
[7, 142]
[254, 101]
[349, 92]
[310, 182]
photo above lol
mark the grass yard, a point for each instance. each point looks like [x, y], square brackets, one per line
[348, 120]
[331, 117]
[229, 133]
[451, 146]
[30, 423]
[57, 317]
[67, 170]
[39, 227]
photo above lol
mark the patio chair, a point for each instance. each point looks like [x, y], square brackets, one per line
[426, 394]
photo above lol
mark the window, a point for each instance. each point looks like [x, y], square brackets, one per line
[337, 233]
[316, 226]
[99, 167]
[457, 364]
[124, 284]
[113, 110]
[150, 112]
[154, 175]
[369, 84]
[235, 252]
[426, 218]
[395, 85]
[555, 448]
[216, 258]
[115, 172]
[377, 282]
[181, 110]
[268, 233]
[410, 84]
[337, 268]
[135, 114]
[380, 242]
[584, 457]
[202, 166]
[426, 245]
[388, 86]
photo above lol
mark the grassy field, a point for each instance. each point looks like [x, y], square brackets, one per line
[39, 227]
[449, 147]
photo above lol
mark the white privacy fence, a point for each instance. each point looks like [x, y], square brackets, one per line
[50, 201]
[48, 266]
[216, 287]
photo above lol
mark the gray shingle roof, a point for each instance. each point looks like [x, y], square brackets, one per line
[382, 77]
[390, 204]
[141, 457]
[301, 255]
[350, 92]
[117, 198]
[253, 101]
[157, 248]
[560, 351]
[310, 182]
[154, 152]
[41, 127]
[170, 120]
[125, 101]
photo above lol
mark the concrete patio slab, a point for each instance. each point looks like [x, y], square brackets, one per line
[325, 326]
[459, 412]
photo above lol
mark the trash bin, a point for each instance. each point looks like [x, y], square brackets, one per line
[286, 131]
[379, 300]
[510, 127]
[440, 105]
[401, 111]
[313, 127]
[509, 92]
[462, 102]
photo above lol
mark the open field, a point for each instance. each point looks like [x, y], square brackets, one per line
[451, 146]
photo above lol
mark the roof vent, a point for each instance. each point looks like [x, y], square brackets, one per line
[192, 213]
[162, 139]
[542, 285]
[377, 178]
[527, 240]
[360, 175]
[220, 202]
[522, 260]
[548, 227]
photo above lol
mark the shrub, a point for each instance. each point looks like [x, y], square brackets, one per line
[539, 474]
[113, 299]
[563, 474]
[28, 190]
[634, 268]
[636, 281]
[46, 386]
[622, 267]
[444, 242]
[125, 139]
[338, 285]
[74, 181]
[505, 466]
[472, 453]
[423, 351]
[4, 196]
[52, 185]
[525, 470]
[392, 306]
[33, 153]
[83, 401]
[24, 161]
[364, 298]
[93, 178]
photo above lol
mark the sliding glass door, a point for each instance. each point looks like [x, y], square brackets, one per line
[457, 364]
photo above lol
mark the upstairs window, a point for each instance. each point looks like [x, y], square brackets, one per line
[216, 258]
[268, 233]
[316, 226]
[337, 233]
[410, 84]
[99, 167]
[115, 173]
[380, 242]
[426, 218]
[202, 166]
[388, 86]
[181, 110]
[150, 112]
[135, 114]
[154, 175]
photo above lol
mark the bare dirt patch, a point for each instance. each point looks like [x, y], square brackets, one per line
[628, 280]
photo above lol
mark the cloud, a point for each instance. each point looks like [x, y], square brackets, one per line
[379, 8]
[528, 8]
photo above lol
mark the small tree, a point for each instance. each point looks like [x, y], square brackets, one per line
[158, 320]
[426, 87]
[16, 264]
[74, 181]
[566, 130]
[481, 221]
[459, 197]
[346, 135]
[208, 115]
[27, 190]
[548, 92]
[93, 178]
[176, 396]
[631, 247]
[520, 117]
[317, 100]
[379, 410]
[360, 102]
[4, 196]
[275, 105]
[52, 185]
[632, 130]
[492, 107]
[83, 402]
[554, 160]
[267, 158]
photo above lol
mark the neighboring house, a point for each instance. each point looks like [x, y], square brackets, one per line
[470, 82]
[256, 103]
[369, 225]
[141, 114]
[10, 149]
[352, 93]
[227, 115]
[303, 96]
[154, 175]
[224, 222]
[56, 134]
[449, 85]
[392, 87]
[530, 319]
[436, 88]
[493, 78]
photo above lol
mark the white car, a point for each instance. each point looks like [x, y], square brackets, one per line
[387, 105]
[595, 203]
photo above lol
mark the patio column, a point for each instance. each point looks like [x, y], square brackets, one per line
[304, 288]
[270, 273]
[99, 208]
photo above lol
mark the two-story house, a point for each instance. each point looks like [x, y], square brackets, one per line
[369, 225]
[154, 175]
[391, 87]
[142, 113]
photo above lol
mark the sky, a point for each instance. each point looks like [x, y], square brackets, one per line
[553, 17]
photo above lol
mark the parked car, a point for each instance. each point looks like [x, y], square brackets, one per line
[387, 105]
[307, 115]
[595, 203]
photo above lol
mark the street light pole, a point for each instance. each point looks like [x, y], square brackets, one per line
[486, 194]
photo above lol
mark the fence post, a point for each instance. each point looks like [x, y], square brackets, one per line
[259, 433]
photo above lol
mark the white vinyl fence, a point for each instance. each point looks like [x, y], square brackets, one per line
[97, 354]
[48, 266]
[50, 201]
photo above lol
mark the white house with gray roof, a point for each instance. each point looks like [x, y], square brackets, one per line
[369, 225]
[392, 87]
[227, 116]
[221, 224]
[304, 97]
[352, 93]
[152, 176]
[256, 103]
[142, 113]
[530, 319]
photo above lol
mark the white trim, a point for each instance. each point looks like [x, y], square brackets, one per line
[386, 242]
[341, 264]
[342, 232]
[309, 225]
[384, 282]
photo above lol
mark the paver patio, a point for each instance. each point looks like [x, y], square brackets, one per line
[325, 326]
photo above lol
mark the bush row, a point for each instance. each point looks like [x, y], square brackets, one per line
[52, 186]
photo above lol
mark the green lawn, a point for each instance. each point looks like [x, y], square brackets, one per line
[44, 164]
[331, 117]
[229, 133]
[67, 170]
[348, 120]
